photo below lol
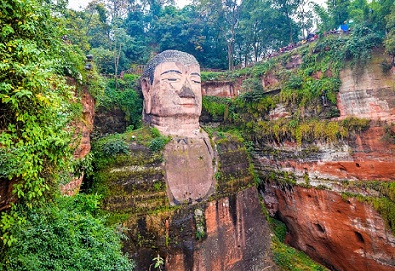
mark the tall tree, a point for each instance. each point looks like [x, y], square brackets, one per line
[389, 42]
[262, 29]
[288, 9]
[339, 11]
[304, 15]
[222, 17]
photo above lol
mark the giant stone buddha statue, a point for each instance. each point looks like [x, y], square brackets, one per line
[171, 88]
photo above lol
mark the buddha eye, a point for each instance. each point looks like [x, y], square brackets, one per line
[172, 79]
[195, 81]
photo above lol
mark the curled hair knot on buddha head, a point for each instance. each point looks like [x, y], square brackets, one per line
[167, 56]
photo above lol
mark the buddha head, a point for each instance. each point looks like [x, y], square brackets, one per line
[172, 92]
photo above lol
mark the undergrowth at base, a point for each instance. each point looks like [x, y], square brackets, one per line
[67, 234]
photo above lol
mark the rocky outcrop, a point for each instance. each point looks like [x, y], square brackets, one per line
[368, 92]
[219, 89]
[343, 234]
[83, 129]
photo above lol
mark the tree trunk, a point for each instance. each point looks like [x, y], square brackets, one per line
[230, 55]
[116, 65]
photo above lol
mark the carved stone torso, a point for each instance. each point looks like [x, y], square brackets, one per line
[189, 169]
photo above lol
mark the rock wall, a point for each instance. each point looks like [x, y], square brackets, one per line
[83, 129]
[368, 156]
[369, 92]
[223, 88]
[228, 231]
[219, 89]
[309, 180]
[343, 234]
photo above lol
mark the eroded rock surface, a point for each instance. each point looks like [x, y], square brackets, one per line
[220, 89]
[368, 93]
[237, 238]
[343, 234]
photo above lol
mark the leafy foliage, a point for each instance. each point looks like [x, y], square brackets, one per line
[37, 105]
[216, 106]
[123, 94]
[35, 102]
[115, 146]
[158, 142]
[69, 234]
[389, 42]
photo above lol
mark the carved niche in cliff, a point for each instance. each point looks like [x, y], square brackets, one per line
[171, 88]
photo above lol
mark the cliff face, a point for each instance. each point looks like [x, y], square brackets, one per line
[228, 231]
[220, 89]
[368, 93]
[343, 234]
[236, 238]
[338, 231]
[83, 129]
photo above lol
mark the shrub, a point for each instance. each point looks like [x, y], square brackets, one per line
[158, 143]
[215, 106]
[115, 146]
[252, 84]
[68, 234]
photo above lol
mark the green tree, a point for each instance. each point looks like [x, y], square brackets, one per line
[262, 29]
[35, 101]
[389, 41]
[288, 9]
[325, 22]
[221, 17]
[339, 11]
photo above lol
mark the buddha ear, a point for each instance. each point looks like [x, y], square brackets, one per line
[146, 87]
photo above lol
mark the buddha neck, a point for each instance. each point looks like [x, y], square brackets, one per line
[176, 125]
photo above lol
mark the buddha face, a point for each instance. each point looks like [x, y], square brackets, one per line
[174, 92]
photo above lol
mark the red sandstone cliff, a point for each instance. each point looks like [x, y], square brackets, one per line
[342, 234]
[83, 129]
[339, 233]
[237, 238]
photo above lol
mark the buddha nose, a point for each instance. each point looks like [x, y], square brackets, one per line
[186, 91]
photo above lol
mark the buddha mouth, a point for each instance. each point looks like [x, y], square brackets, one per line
[187, 102]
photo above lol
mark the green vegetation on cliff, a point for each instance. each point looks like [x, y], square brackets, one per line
[306, 94]
[42, 78]
[123, 94]
[382, 198]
